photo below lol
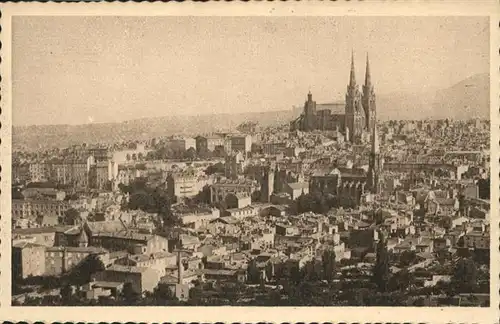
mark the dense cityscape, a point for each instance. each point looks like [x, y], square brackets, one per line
[333, 208]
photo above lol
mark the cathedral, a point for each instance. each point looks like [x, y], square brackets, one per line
[351, 184]
[355, 117]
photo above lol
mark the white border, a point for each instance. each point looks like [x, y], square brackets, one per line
[247, 314]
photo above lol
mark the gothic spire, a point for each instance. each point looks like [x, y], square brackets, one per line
[375, 143]
[368, 79]
[352, 79]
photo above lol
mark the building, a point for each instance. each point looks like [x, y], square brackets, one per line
[243, 212]
[100, 154]
[127, 174]
[295, 189]
[141, 279]
[28, 260]
[274, 148]
[183, 185]
[39, 172]
[31, 208]
[178, 287]
[238, 200]
[178, 146]
[199, 217]
[267, 185]
[46, 236]
[61, 259]
[20, 172]
[234, 164]
[136, 153]
[221, 188]
[376, 164]
[348, 185]
[133, 242]
[358, 116]
[209, 143]
[45, 193]
[240, 143]
[99, 175]
[159, 261]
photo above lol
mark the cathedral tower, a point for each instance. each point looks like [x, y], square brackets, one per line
[309, 113]
[375, 163]
[369, 105]
[354, 116]
[267, 183]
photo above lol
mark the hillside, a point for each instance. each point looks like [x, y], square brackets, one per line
[140, 129]
[466, 99]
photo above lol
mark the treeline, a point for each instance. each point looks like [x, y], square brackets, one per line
[149, 199]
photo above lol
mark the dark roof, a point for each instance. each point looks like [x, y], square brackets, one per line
[40, 230]
[336, 108]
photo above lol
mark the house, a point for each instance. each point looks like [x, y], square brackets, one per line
[238, 200]
[45, 236]
[133, 242]
[96, 289]
[141, 279]
[295, 189]
[196, 218]
[441, 244]
[224, 275]
[242, 213]
[189, 242]
[28, 259]
[158, 261]
[286, 230]
[59, 260]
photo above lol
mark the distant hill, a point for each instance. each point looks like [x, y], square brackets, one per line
[469, 98]
[32, 137]
[466, 99]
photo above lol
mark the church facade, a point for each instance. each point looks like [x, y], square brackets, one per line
[357, 115]
[350, 184]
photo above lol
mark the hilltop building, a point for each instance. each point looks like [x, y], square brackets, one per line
[355, 116]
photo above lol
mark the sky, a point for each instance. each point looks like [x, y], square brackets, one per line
[78, 70]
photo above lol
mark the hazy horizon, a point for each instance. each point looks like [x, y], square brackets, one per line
[114, 69]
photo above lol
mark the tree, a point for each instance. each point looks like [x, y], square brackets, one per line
[71, 217]
[190, 153]
[381, 268]
[253, 273]
[66, 293]
[83, 272]
[312, 271]
[315, 202]
[215, 168]
[407, 258]
[129, 295]
[401, 281]
[464, 278]
[162, 294]
[328, 262]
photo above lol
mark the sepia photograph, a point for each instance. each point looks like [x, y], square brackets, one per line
[250, 161]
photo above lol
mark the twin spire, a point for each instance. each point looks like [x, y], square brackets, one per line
[352, 79]
[368, 79]
[375, 149]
